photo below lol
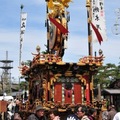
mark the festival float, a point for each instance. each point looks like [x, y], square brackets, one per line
[52, 81]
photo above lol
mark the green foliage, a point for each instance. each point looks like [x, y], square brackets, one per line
[27, 62]
[24, 85]
[106, 74]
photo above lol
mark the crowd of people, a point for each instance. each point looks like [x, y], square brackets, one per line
[111, 113]
[80, 112]
[12, 110]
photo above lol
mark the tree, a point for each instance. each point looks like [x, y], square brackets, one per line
[106, 74]
[24, 85]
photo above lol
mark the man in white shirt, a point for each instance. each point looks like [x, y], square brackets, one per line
[117, 116]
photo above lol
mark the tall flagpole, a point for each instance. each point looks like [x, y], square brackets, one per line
[20, 53]
[47, 25]
[89, 81]
[48, 50]
[88, 6]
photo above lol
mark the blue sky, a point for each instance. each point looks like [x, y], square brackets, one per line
[35, 33]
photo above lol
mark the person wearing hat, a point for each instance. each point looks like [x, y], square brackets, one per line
[39, 114]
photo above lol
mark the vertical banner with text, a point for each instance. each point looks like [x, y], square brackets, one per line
[23, 26]
[98, 19]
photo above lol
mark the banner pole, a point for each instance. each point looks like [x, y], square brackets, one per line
[20, 53]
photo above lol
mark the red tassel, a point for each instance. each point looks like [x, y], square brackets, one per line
[99, 37]
[59, 26]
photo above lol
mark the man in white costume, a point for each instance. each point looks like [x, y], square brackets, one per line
[117, 116]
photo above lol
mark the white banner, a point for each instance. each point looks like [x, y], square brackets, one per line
[23, 25]
[98, 19]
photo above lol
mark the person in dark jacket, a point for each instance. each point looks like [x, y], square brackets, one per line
[75, 115]
[92, 113]
[53, 114]
[80, 113]
[39, 114]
